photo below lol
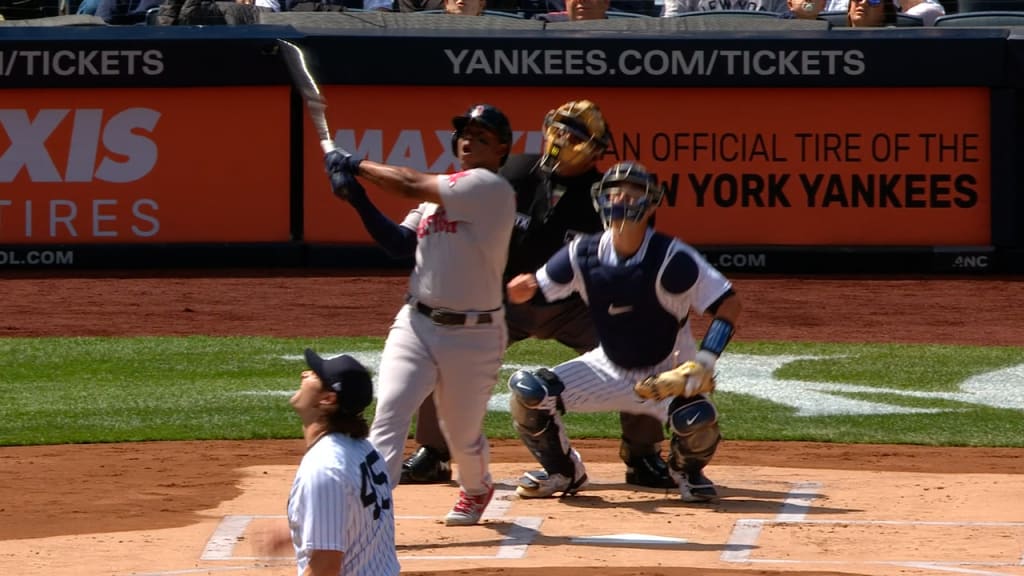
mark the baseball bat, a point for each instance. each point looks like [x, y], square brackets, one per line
[316, 104]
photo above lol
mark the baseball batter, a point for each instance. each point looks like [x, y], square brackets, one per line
[640, 286]
[553, 205]
[340, 514]
[450, 336]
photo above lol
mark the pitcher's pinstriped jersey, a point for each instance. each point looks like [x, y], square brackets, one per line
[462, 246]
[640, 304]
[341, 500]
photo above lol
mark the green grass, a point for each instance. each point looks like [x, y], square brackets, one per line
[70, 390]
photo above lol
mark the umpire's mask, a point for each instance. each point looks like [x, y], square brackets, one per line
[575, 134]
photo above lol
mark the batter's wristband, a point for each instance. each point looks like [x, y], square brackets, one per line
[717, 336]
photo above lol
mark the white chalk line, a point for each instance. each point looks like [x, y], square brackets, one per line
[522, 531]
[746, 532]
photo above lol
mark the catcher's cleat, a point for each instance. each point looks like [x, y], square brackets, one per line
[426, 466]
[468, 510]
[540, 484]
[650, 471]
[696, 487]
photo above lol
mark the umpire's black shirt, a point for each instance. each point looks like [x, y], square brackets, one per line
[540, 228]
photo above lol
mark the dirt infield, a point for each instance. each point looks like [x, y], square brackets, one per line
[787, 508]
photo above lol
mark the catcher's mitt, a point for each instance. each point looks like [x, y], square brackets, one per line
[686, 380]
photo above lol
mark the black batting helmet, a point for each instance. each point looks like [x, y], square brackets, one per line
[487, 116]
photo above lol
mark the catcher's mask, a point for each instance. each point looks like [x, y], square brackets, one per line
[575, 134]
[487, 116]
[640, 188]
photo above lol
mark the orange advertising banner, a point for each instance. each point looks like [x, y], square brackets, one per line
[144, 165]
[743, 166]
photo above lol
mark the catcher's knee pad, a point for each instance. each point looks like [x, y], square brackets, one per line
[538, 390]
[535, 416]
[695, 432]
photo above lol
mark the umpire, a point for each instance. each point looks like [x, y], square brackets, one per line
[553, 205]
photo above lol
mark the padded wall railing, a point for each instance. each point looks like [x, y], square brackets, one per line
[187, 146]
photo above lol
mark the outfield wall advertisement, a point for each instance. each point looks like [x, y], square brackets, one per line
[140, 165]
[756, 166]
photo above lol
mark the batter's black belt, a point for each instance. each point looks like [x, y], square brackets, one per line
[449, 318]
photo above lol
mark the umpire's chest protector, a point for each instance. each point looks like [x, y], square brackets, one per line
[635, 330]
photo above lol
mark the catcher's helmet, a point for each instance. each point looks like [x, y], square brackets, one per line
[487, 116]
[575, 133]
[632, 179]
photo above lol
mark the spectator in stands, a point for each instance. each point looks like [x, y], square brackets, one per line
[926, 10]
[465, 7]
[262, 5]
[333, 5]
[88, 7]
[514, 6]
[336, 5]
[871, 13]
[803, 9]
[676, 7]
[579, 10]
[124, 11]
[207, 12]
[420, 5]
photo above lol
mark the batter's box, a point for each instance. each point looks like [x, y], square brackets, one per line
[419, 538]
[890, 542]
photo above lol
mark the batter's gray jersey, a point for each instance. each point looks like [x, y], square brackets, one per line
[463, 244]
[341, 500]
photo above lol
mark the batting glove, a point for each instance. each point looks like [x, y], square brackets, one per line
[340, 161]
[342, 168]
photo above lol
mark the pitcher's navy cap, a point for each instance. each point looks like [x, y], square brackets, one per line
[346, 376]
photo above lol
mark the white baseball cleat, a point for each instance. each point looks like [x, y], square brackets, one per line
[540, 484]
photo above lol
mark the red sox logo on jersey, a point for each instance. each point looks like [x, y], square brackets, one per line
[453, 179]
[435, 223]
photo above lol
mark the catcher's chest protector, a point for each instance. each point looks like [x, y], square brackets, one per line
[635, 330]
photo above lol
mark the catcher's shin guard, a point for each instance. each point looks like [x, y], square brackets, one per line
[535, 415]
[695, 438]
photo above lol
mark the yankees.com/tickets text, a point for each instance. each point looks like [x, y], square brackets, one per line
[81, 62]
[655, 62]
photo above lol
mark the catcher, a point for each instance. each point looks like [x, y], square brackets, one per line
[639, 286]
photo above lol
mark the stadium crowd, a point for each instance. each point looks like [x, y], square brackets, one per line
[839, 13]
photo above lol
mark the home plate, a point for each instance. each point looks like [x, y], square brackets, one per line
[628, 539]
